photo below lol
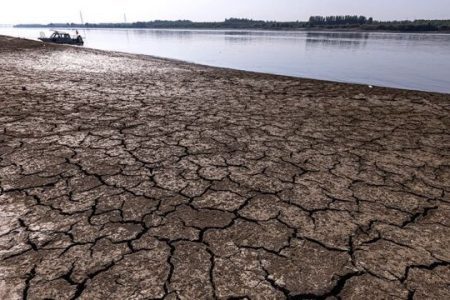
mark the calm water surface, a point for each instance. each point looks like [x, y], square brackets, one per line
[402, 60]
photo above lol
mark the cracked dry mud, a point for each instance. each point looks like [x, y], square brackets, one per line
[131, 177]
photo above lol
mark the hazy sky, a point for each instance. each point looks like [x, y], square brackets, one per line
[45, 11]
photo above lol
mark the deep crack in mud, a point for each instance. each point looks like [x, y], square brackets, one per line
[130, 177]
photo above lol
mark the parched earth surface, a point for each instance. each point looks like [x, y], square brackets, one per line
[131, 177]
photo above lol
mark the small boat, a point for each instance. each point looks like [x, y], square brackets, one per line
[59, 37]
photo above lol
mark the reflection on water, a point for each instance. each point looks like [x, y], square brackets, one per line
[404, 60]
[348, 40]
[339, 35]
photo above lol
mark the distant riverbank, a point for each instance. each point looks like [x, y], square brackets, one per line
[312, 29]
[359, 23]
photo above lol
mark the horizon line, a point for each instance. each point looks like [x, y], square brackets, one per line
[219, 21]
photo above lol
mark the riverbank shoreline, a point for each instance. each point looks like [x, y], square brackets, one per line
[301, 55]
[144, 55]
[131, 176]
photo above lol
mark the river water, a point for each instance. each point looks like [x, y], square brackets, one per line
[401, 60]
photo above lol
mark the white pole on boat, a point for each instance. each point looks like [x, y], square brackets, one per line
[126, 29]
[82, 23]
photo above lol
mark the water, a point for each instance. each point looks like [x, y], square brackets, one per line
[402, 60]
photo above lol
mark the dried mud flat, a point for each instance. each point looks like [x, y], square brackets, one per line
[131, 177]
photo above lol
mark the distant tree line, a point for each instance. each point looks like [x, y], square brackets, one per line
[315, 22]
[232, 23]
[339, 20]
[409, 26]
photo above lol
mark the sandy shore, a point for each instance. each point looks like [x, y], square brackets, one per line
[130, 177]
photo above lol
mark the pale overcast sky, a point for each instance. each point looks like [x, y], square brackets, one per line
[45, 11]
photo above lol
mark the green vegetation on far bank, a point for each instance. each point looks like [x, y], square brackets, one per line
[315, 22]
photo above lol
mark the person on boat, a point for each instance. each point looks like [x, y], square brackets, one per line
[79, 38]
